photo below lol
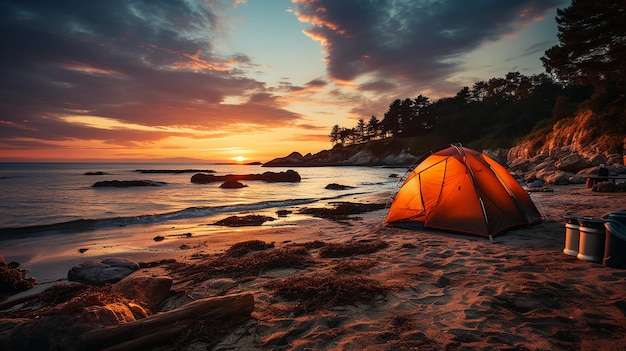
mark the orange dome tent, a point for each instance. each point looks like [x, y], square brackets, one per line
[461, 190]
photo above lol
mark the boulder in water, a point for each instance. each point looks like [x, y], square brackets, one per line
[232, 184]
[335, 186]
[289, 176]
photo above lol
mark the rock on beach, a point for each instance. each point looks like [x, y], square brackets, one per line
[100, 272]
[145, 289]
[561, 166]
[12, 279]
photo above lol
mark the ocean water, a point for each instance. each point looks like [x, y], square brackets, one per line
[58, 198]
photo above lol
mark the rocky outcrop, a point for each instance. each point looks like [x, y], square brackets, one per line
[572, 162]
[574, 148]
[404, 158]
[362, 158]
[339, 156]
[564, 166]
[294, 158]
[568, 153]
[577, 134]
[289, 176]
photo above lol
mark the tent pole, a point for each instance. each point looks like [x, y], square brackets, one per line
[459, 149]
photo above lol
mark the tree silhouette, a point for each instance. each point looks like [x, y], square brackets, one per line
[418, 121]
[592, 46]
[346, 134]
[361, 131]
[334, 134]
[496, 112]
[392, 121]
[373, 128]
[591, 51]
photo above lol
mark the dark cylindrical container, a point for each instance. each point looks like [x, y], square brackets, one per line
[572, 235]
[615, 244]
[592, 239]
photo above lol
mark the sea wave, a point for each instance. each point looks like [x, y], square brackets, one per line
[82, 225]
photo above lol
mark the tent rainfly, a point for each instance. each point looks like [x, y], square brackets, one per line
[462, 190]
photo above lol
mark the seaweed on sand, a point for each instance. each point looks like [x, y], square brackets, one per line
[314, 292]
[246, 247]
[13, 280]
[354, 267]
[311, 245]
[342, 210]
[251, 265]
[352, 248]
[243, 221]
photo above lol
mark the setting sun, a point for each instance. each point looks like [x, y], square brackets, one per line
[239, 159]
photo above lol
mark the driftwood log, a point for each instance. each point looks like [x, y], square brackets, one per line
[162, 327]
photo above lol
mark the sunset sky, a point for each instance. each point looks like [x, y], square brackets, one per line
[213, 80]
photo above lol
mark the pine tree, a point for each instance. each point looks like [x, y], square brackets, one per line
[592, 47]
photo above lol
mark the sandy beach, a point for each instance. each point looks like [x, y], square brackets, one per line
[359, 285]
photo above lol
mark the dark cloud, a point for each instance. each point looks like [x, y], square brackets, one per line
[148, 62]
[286, 86]
[411, 41]
[318, 83]
[313, 127]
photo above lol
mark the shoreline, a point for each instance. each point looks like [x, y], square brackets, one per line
[48, 257]
[440, 290]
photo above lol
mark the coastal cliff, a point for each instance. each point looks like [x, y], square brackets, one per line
[573, 148]
[564, 154]
[580, 134]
